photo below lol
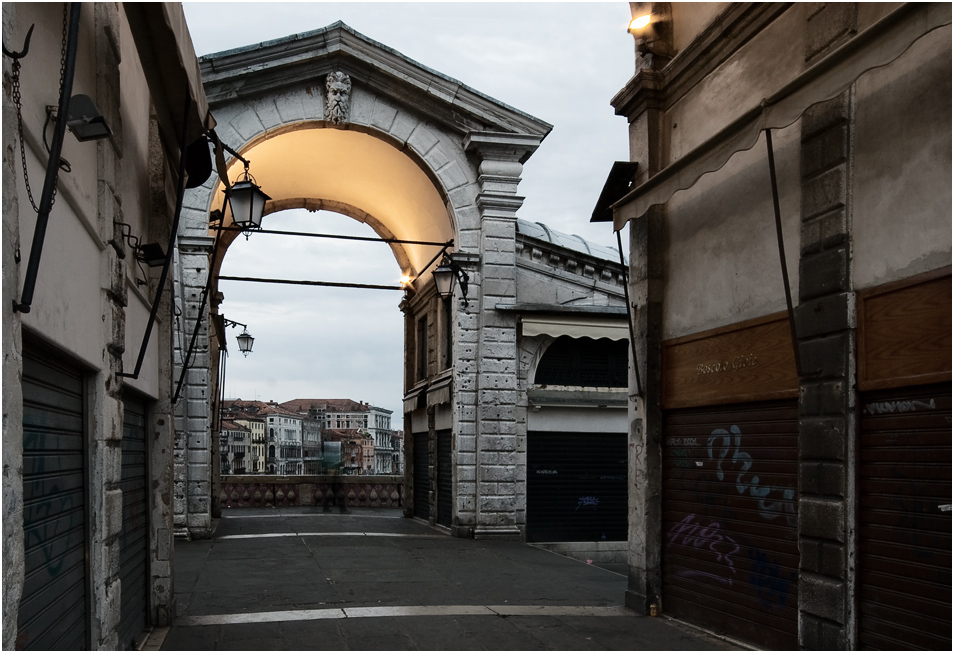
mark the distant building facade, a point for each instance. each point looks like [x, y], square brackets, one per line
[235, 445]
[255, 459]
[289, 438]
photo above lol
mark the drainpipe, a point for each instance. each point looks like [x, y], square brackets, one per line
[53, 164]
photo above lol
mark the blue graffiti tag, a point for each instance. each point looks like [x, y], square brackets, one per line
[768, 510]
[589, 500]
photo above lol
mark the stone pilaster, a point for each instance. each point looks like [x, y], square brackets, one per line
[106, 496]
[161, 431]
[13, 552]
[192, 458]
[825, 324]
[641, 102]
[495, 449]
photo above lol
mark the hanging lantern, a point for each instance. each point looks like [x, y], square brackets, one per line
[247, 201]
[245, 341]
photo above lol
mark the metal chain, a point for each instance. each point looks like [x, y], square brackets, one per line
[18, 102]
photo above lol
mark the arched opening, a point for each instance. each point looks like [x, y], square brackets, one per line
[584, 362]
[339, 182]
[359, 173]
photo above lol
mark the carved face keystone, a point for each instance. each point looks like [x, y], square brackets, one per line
[338, 105]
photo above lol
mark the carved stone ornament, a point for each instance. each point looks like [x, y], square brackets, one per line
[338, 103]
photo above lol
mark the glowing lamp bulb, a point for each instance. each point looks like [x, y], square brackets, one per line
[640, 22]
[405, 280]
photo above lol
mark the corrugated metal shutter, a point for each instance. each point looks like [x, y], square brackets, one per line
[422, 477]
[54, 609]
[134, 540]
[904, 538]
[576, 487]
[730, 547]
[445, 478]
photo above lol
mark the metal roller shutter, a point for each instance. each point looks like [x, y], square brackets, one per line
[445, 478]
[904, 536]
[134, 540]
[576, 487]
[730, 547]
[422, 477]
[54, 607]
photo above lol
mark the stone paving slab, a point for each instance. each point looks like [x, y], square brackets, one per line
[374, 580]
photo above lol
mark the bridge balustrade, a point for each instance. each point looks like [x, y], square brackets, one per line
[261, 491]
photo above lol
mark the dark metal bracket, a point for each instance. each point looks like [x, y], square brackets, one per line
[781, 252]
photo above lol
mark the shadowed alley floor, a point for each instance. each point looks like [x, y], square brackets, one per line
[299, 579]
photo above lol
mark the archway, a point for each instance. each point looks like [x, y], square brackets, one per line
[363, 174]
[418, 157]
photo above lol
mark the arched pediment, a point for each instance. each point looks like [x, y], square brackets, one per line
[307, 58]
[407, 158]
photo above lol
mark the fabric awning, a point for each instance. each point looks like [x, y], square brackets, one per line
[576, 326]
[877, 46]
[171, 68]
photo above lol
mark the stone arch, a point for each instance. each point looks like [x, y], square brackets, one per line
[464, 153]
[449, 213]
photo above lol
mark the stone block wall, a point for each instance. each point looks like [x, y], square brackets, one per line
[825, 326]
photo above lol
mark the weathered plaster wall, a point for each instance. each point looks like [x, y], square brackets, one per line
[691, 18]
[902, 163]
[738, 84]
[722, 262]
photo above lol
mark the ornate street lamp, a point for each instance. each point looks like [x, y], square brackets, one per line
[444, 276]
[244, 339]
[247, 201]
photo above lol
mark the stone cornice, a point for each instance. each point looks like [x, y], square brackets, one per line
[186, 243]
[308, 57]
[722, 38]
[503, 146]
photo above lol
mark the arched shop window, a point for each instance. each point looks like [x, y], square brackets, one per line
[584, 362]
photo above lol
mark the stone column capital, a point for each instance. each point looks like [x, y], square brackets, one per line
[502, 146]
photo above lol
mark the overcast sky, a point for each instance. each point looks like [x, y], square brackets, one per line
[560, 62]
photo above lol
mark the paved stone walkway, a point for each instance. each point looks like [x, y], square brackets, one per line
[373, 580]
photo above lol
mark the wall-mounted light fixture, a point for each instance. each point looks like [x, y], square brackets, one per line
[444, 276]
[244, 339]
[651, 26]
[150, 254]
[85, 121]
